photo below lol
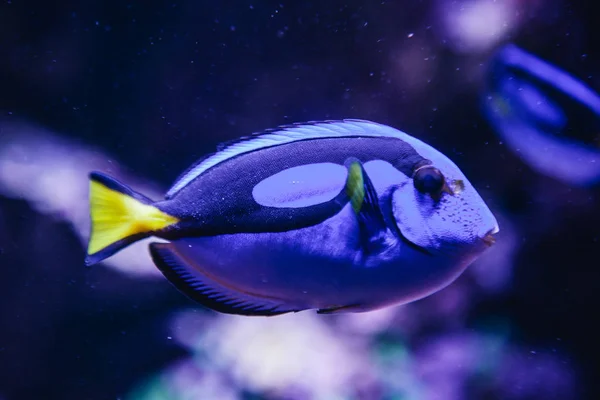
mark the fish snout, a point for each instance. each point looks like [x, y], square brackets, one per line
[488, 238]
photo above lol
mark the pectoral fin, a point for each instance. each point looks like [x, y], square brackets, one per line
[365, 204]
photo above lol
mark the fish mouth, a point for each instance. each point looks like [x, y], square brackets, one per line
[489, 238]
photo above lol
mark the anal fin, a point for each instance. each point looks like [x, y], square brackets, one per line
[207, 291]
[339, 309]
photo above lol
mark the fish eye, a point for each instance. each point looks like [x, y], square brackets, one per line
[429, 180]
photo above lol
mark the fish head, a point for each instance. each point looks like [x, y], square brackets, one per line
[439, 211]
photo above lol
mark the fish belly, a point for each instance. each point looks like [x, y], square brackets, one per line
[318, 266]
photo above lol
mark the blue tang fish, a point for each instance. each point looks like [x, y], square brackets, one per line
[338, 216]
[548, 117]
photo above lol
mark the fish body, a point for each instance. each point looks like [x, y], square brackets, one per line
[336, 216]
[548, 117]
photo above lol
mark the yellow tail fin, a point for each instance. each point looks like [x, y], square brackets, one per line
[119, 217]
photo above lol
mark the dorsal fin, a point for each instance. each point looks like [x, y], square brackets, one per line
[190, 169]
[277, 129]
[281, 135]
